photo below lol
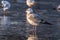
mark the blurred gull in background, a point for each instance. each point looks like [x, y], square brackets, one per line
[30, 3]
[58, 8]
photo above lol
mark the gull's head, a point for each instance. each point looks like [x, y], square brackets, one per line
[3, 2]
[29, 10]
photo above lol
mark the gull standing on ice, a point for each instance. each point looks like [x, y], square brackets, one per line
[34, 20]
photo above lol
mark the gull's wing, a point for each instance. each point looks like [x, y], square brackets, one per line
[35, 18]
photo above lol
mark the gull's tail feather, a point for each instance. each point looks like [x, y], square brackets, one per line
[47, 23]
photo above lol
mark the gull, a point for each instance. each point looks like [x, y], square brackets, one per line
[58, 8]
[34, 19]
[30, 3]
[5, 6]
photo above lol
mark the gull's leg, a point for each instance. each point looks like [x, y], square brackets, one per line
[6, 12]
[34, 32]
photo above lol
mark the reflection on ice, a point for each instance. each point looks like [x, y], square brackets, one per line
[5, 20]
